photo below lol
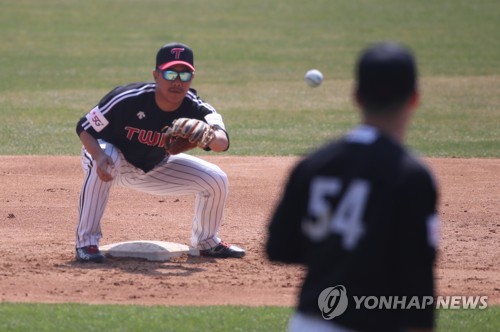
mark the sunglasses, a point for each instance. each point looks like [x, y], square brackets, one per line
[171, 75]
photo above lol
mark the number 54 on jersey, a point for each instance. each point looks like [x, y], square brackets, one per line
[345, 220]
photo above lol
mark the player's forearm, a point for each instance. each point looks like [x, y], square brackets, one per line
[220, 142]
[91, 145]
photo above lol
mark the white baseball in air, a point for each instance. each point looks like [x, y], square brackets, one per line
[314, 77]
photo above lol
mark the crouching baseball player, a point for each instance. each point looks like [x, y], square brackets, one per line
[135, 137]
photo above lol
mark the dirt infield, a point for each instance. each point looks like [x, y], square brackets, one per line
[38, 209]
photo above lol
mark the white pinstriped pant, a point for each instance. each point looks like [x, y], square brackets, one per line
[180, 174]
[300, 322]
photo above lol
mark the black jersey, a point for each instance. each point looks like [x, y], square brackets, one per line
[360, 212]
[129, 118]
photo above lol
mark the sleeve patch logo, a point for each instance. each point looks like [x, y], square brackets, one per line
[96, 119]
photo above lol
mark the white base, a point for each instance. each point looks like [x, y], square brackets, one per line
[150, 250]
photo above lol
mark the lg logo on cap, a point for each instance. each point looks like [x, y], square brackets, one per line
[177, 51]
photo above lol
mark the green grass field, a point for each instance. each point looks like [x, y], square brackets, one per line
[59, 57]
[80, 317]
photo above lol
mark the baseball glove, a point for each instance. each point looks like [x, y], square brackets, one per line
[186, 134]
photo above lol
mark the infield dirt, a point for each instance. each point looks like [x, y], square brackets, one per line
[38, 211]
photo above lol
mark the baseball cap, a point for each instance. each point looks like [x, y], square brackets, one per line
[174, 54]
[386, 74]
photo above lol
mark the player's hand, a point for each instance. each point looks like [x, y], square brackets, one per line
[105, 166]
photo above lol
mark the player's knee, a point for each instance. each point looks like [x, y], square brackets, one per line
[218, 180]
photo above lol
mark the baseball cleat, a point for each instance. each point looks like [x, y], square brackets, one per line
[89, 254]
[224, 250]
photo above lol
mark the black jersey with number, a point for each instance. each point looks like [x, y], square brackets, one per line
[129, 118]
[360, 212]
